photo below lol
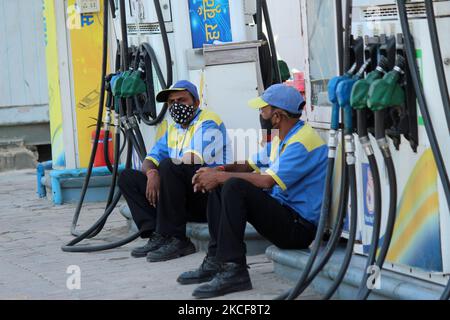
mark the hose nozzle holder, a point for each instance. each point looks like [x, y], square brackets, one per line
[400, 63]
[332, 144]
[363, 69]
[349, 144]
[367, 146]
[384, 147]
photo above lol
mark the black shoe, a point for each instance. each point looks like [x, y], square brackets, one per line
[233, 278]
[205, 273]
[154, 243]
[172, 249]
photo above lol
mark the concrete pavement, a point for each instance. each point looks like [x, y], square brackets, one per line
[32, 265]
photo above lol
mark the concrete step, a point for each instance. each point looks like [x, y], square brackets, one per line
[15, 156]
[199, 235]
[290, 263]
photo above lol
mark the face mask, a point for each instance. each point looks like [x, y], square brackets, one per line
[181, 113]
[267, 123]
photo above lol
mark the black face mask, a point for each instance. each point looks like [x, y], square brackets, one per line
[181, 113]
[266, 124]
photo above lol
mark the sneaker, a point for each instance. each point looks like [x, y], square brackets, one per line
[233, 278]
[154, 243]
[205, 273]
[172, 249]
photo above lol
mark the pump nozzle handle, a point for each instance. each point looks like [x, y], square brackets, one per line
[400, 64]
[361, 71]
[383, 64]
[352, 70]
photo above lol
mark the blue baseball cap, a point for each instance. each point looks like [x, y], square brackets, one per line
[182, 85]
[282, 97]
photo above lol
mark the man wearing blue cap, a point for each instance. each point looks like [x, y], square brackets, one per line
[161, 197]
[279, 191]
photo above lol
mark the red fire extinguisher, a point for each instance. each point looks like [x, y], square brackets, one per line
[100, 154]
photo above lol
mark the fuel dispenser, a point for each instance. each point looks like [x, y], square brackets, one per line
[387, 115]
[206, 51]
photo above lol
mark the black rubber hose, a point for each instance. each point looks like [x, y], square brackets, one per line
[264, 51]
[147, 48]
[340, 36]
[348, 33]
[435, 44]
[337, 231]
[446, 294]
[125, 51]
[328, 188]
[352, 235]
[169, 67]
[412, 62]
[380, 135]
[361, 115]
[109, 165]
[259, 20]
[140, 141]
[98, 226]
[390, 222]
[377, 219]
[73, 230]
[115, 174]
[335, 236]
[112, 5]
[165, 38]
[273, 49]
[124, 33]
[319, 233]
[113, 199]
[140, 147]
[107, 131]
[83, 249]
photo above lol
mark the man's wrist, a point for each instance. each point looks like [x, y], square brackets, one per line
[222, 177]
[151, 172]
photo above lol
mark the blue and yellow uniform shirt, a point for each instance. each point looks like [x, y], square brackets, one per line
[298, 166]
[206, 137]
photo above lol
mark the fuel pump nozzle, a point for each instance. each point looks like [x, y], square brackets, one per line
[332, 96]
[383, 94]
[343, 93]
[358, 99]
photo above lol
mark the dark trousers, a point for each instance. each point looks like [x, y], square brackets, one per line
[177, 205]
[230, 208]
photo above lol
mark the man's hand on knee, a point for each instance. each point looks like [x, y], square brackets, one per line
[206, 180]
[153, 185]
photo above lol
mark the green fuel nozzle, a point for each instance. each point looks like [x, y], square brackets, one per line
[387, 92]
[360, 91]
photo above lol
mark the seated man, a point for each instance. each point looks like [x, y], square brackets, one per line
[161, 197]
[283, 203]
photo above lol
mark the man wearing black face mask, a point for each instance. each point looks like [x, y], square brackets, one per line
[161, 196]
[279, 191]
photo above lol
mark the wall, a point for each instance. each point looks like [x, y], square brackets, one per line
[23, 85]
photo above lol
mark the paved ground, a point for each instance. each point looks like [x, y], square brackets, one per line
[32, 265]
